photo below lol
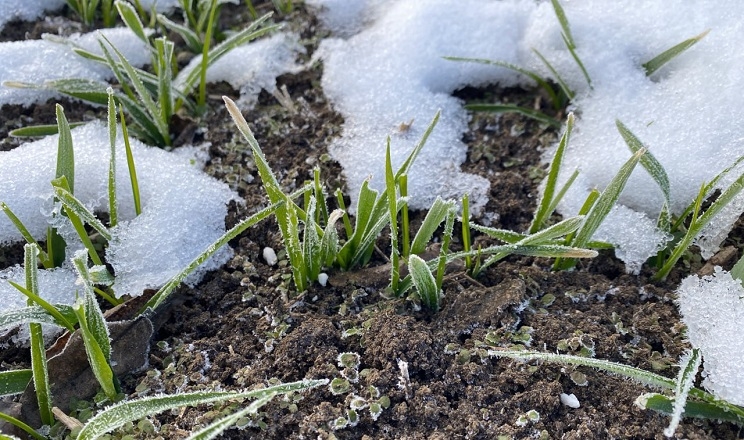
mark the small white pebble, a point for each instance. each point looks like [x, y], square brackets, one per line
[269, 256]
[570, 400]
[323, 279]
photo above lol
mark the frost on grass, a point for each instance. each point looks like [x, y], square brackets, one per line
[713, 310]
[37, 61]
[26, 10]
[183, 209]
[252, 67]
[688, 113]
[392, 73]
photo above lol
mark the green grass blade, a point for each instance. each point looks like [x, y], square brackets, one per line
[45, 260]
[65, 153]
[94, 331]
[291, 239]
[512, 108]
[84, 89]
[404, 220]
[14, 381]
[27, 429]
[449, 224]
[26, 315]
[202, 100]
[187, 84]
[698, 223]
[465, 221]
[392, 199]
[236, 230]
[436, 215]
[311, 243]
[72, 204]
[40, 130]
[214, 429]
[130, 165]
[119, 414]
[365, 204]
[329, 243]
[189, 37]
[554, 99]
[562, 192]
[60, 315]
[658, 61]
[36, 340]
[689, 365]
[546, 201]
[563, 20]
[130, 17]
[712, 410]
[649, 163]
[143, 94]
[341, 205]
[405, 168]
[606, 200]
[113, 206]
[561, 83]
[426, 285]
[637, 374]
[164, 56]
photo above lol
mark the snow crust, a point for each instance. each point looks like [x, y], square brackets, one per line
[26, 10]
[386, 68]
[36, 61]
[713, 310]
[183, 210]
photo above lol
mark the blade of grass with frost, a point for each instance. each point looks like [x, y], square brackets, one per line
[202, 100]
[94, 331]
[561, 83]
[544, 237]
[24, 427]
[707, 189]
[653, 167]
[392, 199]
[65, 169]
[568, 39]
[329, 243]
[189, 81]
[562, 192]
[605, 202]
[424, 281]
[366, 202]
[546, 200]
[43, 257]
[113, 205]
[168, 288]
[436, 215]
[121, 413]
[158, 117]
[130, 17]
[554, 99]
[164, 56]
[130, 165]
[449, 225]
[36, 340]
[311, 243]
[217, 427]
[404, 220]
[658, 61]
[637, 374]
[84, 89]
[40, 130]
[689, 364]
[716, 410]
[697, 223]
[511, 108]
[14, 381]
[77, 213]
[190, 37]
[42, 312]
[286, 215]
[465, 232]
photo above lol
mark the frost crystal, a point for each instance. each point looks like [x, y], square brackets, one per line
[713, 310]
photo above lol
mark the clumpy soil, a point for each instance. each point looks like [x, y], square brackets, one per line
[431, 373]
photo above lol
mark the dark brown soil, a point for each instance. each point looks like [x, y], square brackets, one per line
[246, 326]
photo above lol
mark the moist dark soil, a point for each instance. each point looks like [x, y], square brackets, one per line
[245, 325]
